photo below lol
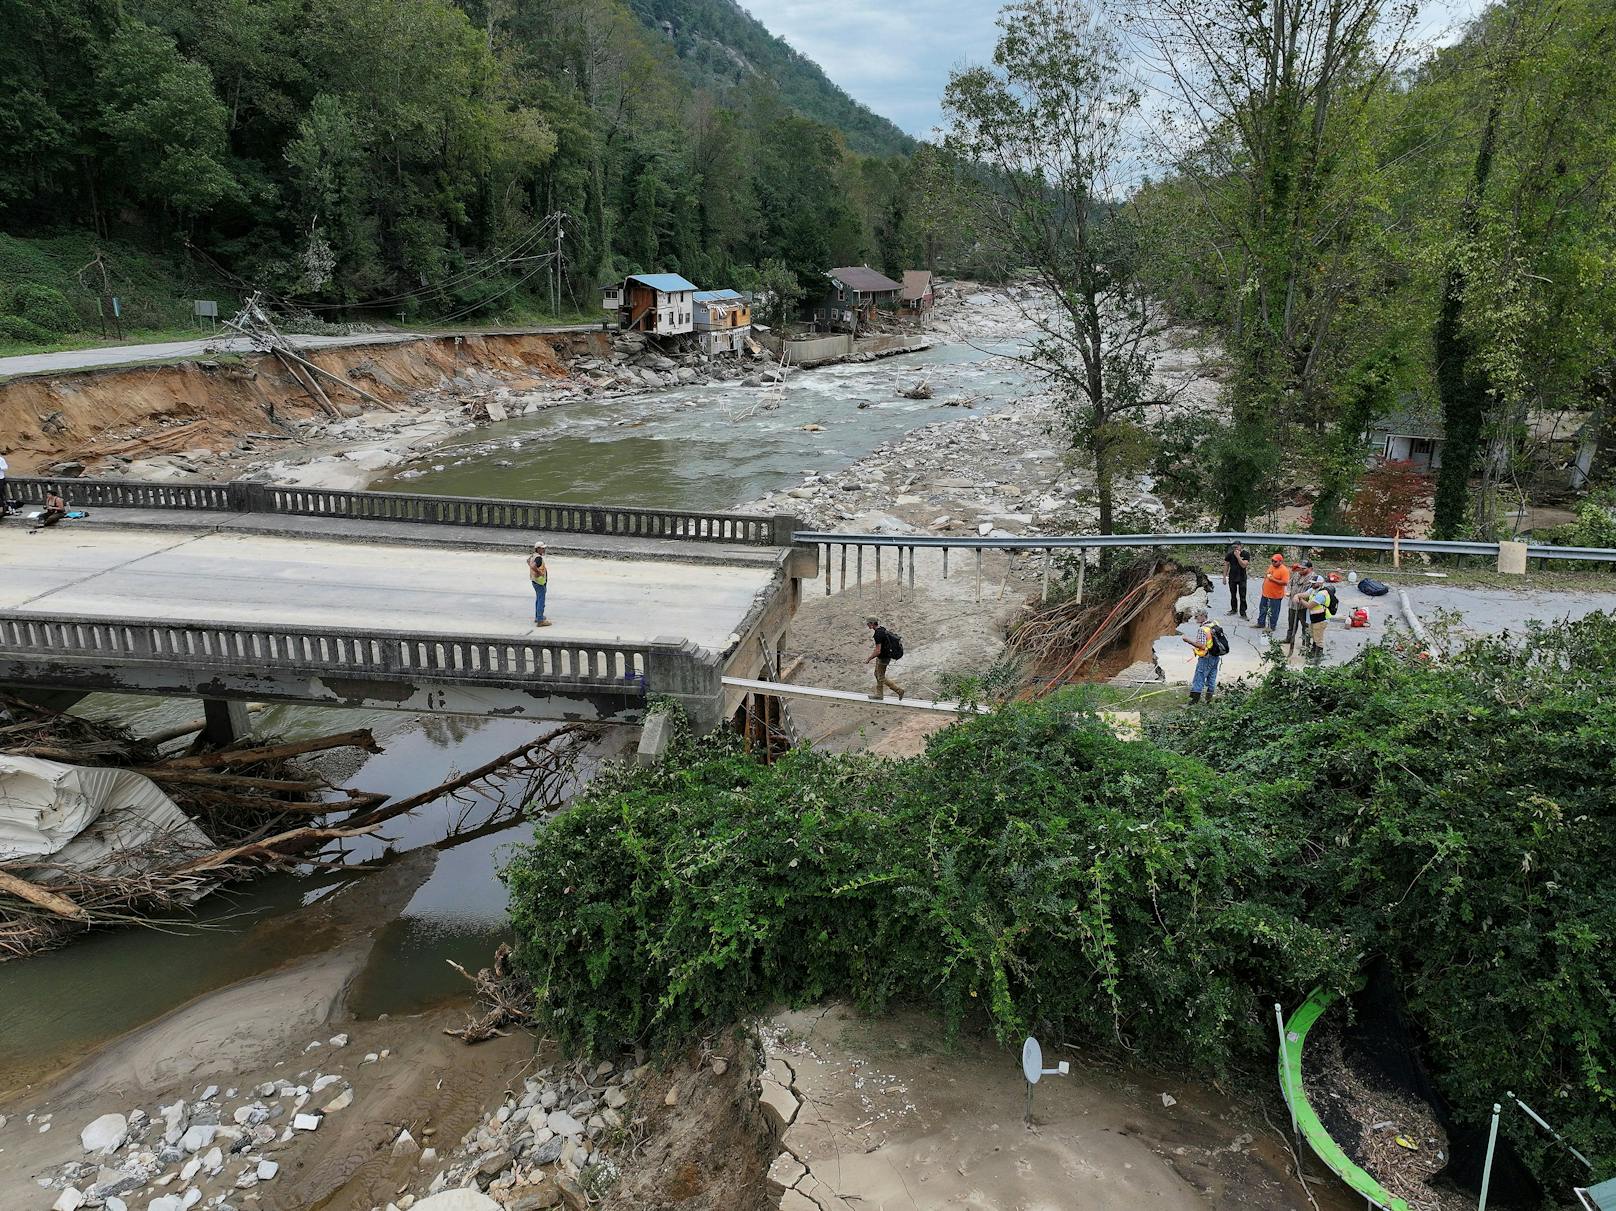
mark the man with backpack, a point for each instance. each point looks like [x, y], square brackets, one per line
[1210, 646]
[1320, 609]
[888, 647]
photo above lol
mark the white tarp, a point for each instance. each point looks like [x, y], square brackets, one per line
[81, 817]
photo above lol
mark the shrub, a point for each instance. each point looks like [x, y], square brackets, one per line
[15, 328]
[1034, 871]
[45, 307]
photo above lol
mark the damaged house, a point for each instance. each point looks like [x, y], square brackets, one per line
[852, 296]
[657, 304]
[723, 321]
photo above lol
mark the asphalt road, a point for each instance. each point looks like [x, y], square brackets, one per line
[171, 351]
[1474, 611]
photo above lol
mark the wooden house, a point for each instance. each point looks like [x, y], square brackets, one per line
[852, 295]
[659, 304]
[723, 321]
[1407, 437]
[918, 293]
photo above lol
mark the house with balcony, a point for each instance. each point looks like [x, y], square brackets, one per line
[723, 321]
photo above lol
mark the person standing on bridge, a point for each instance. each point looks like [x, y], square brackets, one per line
[1209, 645]
[888, 647]
[539, 573]
[1237, 563]
[1275, 583]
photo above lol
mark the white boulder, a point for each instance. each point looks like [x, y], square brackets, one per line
[105, 1134]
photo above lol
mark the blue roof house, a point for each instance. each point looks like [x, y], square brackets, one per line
[659, 304]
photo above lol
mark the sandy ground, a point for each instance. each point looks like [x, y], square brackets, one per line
[948, 627]
[893, 1118]
[257, 1030]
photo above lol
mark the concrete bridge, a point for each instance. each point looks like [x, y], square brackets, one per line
[254, 592]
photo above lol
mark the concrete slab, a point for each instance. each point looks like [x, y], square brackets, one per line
[248, 579]
[1474, 611]
[418, 534]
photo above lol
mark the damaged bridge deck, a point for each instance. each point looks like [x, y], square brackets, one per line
[351, 612]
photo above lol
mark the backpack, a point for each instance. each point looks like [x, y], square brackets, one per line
[1220, 642]
[1373, 587]
[894, 646]
[1335, 602]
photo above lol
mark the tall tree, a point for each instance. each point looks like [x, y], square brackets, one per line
[1050, 122]
[1272, 123]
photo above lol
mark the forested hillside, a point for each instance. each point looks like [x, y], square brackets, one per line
[406, 151]
[722, 46]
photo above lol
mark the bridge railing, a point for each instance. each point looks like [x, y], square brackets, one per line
[331, 653]
[626, 521]
[1067, 542]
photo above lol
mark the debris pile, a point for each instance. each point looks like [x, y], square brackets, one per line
[1056, 641]
[210, 1150]
[239, 810]
[1390, 1134]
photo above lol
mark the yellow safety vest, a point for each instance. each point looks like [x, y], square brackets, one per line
[540, 574]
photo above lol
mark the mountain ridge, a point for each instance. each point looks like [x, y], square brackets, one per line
[720, 46]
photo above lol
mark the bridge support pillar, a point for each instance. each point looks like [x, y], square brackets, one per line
[224, 722]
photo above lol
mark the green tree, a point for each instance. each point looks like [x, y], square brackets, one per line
[164, 125]
[1050, 121]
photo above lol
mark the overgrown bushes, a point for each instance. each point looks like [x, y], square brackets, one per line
[1031, 869]
[45, 307]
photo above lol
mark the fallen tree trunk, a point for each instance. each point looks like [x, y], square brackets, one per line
[359, 738]
[278, 846]
[390, 810]
[307, 807]
[206, 778]
[39, 897]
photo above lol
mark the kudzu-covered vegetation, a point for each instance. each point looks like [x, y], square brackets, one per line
[1030, 871]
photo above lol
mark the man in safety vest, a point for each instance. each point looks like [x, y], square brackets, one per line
[1318, 613]
[538, 572]
[1204, 644]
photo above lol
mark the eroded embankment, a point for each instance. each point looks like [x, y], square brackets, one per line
[103, 417]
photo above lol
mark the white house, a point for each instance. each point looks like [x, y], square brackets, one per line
[661, 304]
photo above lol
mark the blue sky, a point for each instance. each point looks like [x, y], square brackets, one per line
[895, 57]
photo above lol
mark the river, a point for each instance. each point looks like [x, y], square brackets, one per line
[715, 446]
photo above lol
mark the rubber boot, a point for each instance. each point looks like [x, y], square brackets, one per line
[1195, 695]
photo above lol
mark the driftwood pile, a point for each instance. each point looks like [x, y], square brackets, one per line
[257, 806]
[919, 390]
[1055, 641]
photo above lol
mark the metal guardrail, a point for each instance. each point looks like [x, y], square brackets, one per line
[1054, 542]
[746, 529]
[329, 652]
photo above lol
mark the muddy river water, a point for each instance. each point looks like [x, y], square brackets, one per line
[714, 446]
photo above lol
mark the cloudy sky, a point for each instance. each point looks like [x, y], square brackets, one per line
[896, 57]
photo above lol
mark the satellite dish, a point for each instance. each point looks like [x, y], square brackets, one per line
[1032, 1060]
[1032, 1063]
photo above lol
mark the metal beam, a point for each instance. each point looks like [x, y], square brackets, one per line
[783, 689]
[1343, 542]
